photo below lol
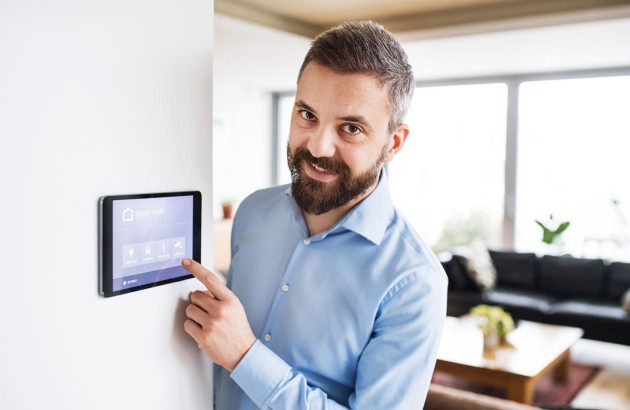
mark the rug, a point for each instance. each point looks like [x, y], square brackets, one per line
[548, 391]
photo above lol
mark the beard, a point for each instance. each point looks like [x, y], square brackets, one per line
[316, 197]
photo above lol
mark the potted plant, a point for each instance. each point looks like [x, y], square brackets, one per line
[495, 323]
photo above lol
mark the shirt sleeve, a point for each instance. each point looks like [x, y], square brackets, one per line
[272, 384]
[395, 368]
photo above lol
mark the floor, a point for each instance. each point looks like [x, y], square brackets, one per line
[610, 388]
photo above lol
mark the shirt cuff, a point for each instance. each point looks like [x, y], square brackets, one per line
[259, 372]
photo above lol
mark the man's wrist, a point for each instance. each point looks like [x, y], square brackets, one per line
[235, 363]
[260, 372]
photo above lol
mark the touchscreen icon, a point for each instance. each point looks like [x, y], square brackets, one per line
[162, 249]
[127, 215]
[147, 250]
[178, 247]
[130, 255]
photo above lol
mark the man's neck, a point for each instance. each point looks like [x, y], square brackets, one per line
[323, 222]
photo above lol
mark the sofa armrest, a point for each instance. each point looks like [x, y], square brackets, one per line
[442, 397]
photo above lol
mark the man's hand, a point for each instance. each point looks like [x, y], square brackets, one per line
[217, 320]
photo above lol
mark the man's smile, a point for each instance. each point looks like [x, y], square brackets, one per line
[318, 173]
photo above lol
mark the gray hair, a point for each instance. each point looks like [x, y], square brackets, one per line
[366, 47]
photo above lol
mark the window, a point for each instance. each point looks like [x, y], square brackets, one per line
[573, 163]
[448, 180]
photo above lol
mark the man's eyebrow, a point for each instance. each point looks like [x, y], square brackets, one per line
[302, 104]
[358, 119]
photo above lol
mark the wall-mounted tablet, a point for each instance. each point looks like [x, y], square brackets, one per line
[144, 237]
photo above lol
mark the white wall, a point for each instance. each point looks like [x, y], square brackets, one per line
[251, 61]
[97, 98]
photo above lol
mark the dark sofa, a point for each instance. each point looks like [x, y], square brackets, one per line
[584, 293]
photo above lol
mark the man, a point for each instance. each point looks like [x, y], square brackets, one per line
[332, 300]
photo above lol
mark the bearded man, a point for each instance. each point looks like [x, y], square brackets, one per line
[332, 300]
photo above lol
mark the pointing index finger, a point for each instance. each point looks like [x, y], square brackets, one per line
[209, 279]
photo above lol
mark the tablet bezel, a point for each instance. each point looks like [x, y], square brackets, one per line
[106, 238]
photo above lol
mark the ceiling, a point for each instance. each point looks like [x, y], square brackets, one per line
[309, 18]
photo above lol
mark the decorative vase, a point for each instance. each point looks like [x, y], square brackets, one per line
[491, 340]
[227, 211]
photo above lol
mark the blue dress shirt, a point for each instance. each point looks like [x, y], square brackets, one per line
[348, 318]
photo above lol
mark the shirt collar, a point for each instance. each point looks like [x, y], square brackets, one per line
[369, 218]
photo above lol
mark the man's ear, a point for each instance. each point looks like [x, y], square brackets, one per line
[396, 142]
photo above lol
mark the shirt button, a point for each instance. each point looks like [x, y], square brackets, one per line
[285, 288]
[268, 337]
[307, 242]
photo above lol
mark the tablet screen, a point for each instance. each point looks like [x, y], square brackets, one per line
[145, 237]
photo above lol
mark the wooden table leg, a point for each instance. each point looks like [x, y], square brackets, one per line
[521, 391]
[561, 372]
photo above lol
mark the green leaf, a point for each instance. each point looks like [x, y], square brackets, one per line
[563, 226]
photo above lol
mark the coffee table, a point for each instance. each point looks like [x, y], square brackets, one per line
[530, 351]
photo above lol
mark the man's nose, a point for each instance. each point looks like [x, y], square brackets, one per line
[322, 142]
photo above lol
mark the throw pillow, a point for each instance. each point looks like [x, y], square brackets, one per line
[476, 259]
[625, 301]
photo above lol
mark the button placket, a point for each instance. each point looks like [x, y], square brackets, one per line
[266, 334]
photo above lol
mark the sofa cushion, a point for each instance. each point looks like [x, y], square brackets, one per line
[590, 316]
[519, 298]
[515, 269]
[605, 321]
[572, 276]
[587, 308]
[618, 280]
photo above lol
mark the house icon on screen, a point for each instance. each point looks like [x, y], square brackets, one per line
[127, 215]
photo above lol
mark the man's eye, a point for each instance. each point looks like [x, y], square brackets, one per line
[351, 129]
[307, 115]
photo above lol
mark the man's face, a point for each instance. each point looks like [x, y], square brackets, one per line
[338, 139]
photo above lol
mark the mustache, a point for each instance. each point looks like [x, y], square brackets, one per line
[328, 164]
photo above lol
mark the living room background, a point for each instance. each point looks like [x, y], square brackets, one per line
[463, 147]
